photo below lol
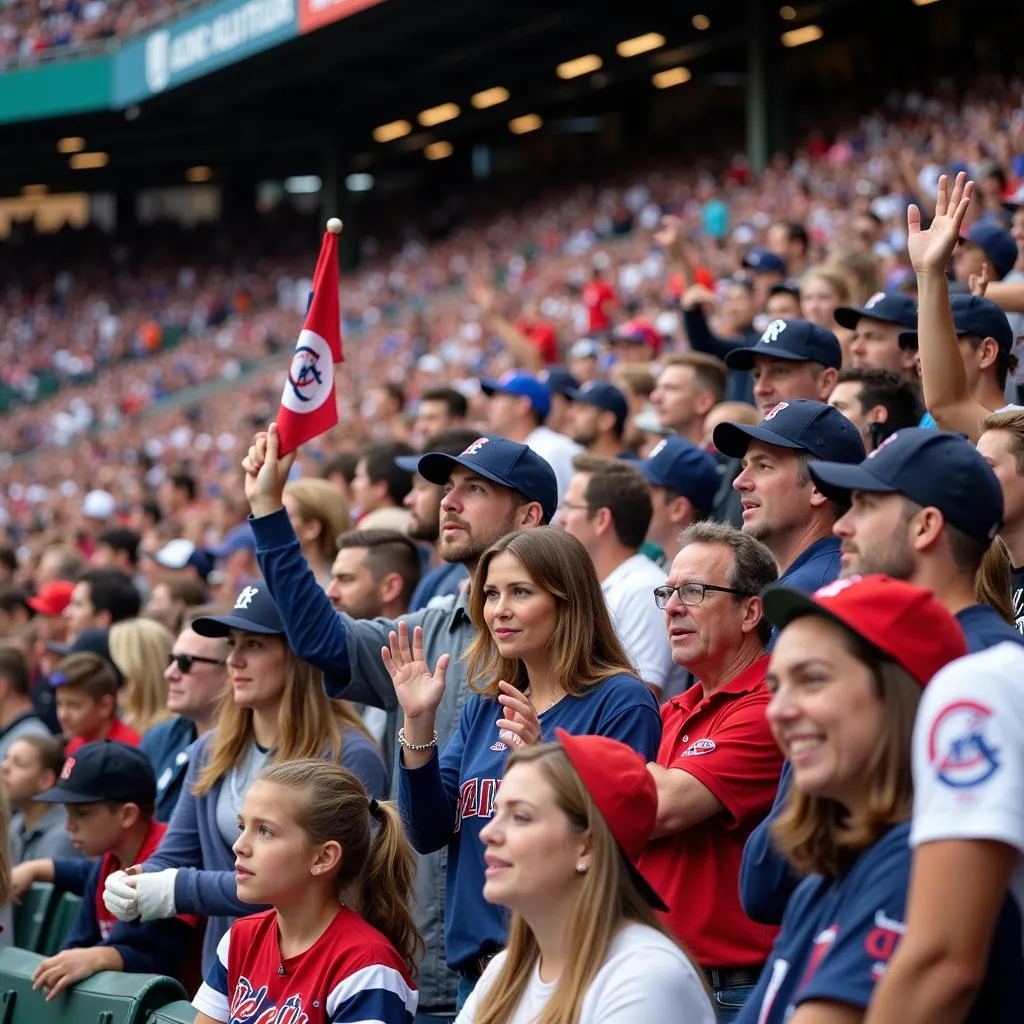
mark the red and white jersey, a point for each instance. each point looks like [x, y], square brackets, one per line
[351, 973]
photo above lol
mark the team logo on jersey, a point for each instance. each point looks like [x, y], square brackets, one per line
[823, 943]
[498, 746]
[775, 410]
[882, 940]
[245, 597]
[958, 748]
[476, 800]
[699, 747]
[772, 332]
[249, 1003]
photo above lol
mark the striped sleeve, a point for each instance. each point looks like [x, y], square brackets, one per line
[213, 997]
[377, 994]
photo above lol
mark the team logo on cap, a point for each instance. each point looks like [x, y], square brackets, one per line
[959, 749]
[775, 410]
[474, 448]
[874, 300]
[245, 597]
[69, 765]
[888, 441]
[658, 448]
[773, 330]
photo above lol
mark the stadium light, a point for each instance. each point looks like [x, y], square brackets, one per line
[800, 36]
[89, 161]
[303, 184]
[701, 22]
[490, 97]
[199, 173]
[579, 66]
[72, 144]
[359, 182]
[524, 124]
[438, 115]
[671, 76]
[787, 13]
[391, 131]
[438, 150]
[34, 190]
[640, 44]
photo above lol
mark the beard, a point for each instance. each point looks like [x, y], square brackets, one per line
[428, 532]
[467, 547]
[893, 558]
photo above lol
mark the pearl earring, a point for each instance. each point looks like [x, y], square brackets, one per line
[581, 868]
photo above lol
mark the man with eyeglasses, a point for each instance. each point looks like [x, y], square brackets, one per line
[718, 765]
[195, 676]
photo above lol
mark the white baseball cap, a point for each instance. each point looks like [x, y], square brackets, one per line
[99, 505]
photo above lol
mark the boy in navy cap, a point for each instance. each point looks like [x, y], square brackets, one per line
[781, 506]
[597, 418]
[109, 791]
[985, 248]
[792, 359]
[876, 330]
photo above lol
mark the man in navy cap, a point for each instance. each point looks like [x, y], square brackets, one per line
[768, 269]
[986, 247]
[597, 418]
[781, 506]
[559, 382]
[792, 359]
[493, 487]
[876, 330]
[684, 481]
[518, 408]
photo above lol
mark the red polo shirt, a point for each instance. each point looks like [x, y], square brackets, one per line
[724, 742]
[118, 731]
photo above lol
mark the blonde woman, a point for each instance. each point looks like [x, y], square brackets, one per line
[823, 289]
[585, 943]
[140, 649]
[274, 709]
[317, 515]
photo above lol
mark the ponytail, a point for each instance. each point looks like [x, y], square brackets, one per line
[331, 805]
[386, 884]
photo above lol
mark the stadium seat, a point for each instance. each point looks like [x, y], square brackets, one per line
[31, 916]
[62, 917]
[180, 1012]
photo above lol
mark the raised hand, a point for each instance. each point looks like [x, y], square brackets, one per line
[419, 690]
[671, 236]
[520, 725]
[266, 473]
[978, 283]
[931, 249]
[698, 295]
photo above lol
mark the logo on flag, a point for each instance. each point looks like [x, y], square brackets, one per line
[310, 376]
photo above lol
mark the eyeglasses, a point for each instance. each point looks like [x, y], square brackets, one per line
[186, 661]
[692, 593]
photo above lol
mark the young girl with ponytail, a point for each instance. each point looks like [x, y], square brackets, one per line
[339, 943]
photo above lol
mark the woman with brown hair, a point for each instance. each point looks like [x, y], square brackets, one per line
[585, 943]
[545, 656]
[318, 515]
[846, 677]
[274, 709]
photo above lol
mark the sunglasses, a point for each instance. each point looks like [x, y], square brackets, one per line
[186, 661]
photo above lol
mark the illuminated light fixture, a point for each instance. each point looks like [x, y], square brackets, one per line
[579, 66]
[524, 124]
[671, 76]
[438, 150]
[392, 131]
[438, 115]
[72, 144]
[640, 44]
[701, 22]
[490, 97]
[787, 13]
[303, 184]
[801, 36]
[360, 182]
[89, 161]
[199, 173]
[34, 190]
[923, 3]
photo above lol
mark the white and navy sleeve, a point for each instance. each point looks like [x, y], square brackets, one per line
[375, 993]
[213, 997]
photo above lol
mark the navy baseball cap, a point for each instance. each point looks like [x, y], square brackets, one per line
[92, 641]
[254, 612]
[683, 467]
[996, 243]
[761, 261]
[785, 288]
[801, 425]
[558, 380]
[604, 396]
[888, 307]
[101, 771]
[239, 538]
[522, 385]
[976, 316]
[798, 340]
[502, 461]
[934, 468]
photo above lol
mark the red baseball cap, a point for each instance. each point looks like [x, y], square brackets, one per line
[617, 779]
[640, 331]
[904, 622]
[52, 598]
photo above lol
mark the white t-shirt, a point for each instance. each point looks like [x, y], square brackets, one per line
[640, 623]
[558, 451]
[969, 754]
[645, 977]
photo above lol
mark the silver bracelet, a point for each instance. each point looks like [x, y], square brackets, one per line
[416, 747]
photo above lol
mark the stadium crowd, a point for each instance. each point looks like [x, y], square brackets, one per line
[655, 606]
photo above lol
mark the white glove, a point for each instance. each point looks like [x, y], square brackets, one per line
[120, 897]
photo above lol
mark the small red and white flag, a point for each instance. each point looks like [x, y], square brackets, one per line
[308, 407]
